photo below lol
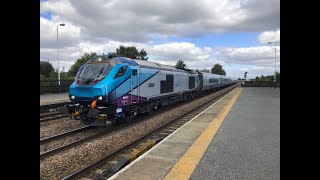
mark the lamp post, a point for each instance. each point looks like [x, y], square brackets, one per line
[275, 61]
[59, 57]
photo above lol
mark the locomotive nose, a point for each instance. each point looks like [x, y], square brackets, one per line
[86, 94]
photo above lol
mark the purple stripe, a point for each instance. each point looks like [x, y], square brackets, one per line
[126, 100]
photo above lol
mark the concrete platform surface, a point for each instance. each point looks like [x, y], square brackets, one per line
[158, 161]
[247, 145]
[53, 98]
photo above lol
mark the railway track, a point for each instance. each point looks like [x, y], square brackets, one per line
[49, 116]
[157, 133]
[71, 144]
[105, 131]
[55, 105]
[62, 135]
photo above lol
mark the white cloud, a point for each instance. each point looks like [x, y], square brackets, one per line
[176, 51]
[69, 35]
[102, 26]
[256, 61]
[269, 36]
[168, 53]
[138, 20]
[261, 55]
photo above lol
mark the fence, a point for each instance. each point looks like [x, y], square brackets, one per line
[259, 84]
[51, 86]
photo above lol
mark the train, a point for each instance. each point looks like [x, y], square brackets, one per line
[108, 90]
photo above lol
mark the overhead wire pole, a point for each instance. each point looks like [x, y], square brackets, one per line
[275, 65]
[275, 62]
[59, 59]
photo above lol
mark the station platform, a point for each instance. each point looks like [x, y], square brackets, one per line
[238, 137]
[46, 99]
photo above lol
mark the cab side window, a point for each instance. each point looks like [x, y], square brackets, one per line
[121, 71]
[134, 72]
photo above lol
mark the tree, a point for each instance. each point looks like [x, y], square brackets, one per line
[45, 68]
[143, 55]
[54, 75]
[65, 75]
[111, 55]
[131, 52]
[42, 77]
[85, 58]
[181, 65]
[217, 69]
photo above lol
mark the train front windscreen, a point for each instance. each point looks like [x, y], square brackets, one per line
[92, 73]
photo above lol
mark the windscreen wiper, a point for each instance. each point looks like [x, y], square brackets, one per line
[100, 72]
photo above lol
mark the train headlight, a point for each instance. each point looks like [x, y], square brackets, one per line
[72, 97]
[100, 98]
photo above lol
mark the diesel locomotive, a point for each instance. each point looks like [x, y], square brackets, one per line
[107, 90]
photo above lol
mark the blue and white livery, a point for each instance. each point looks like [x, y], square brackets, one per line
[110, 89]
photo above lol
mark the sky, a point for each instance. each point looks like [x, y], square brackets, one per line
[233, 33]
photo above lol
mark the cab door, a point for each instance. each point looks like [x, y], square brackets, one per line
[134, 84]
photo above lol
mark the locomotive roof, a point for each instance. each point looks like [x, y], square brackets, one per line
[140, 63]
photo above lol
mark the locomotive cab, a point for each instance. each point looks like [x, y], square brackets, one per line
[92, 92]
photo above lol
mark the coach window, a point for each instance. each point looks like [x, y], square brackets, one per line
[121, 71]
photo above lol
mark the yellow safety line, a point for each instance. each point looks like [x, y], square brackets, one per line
[186, 165]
